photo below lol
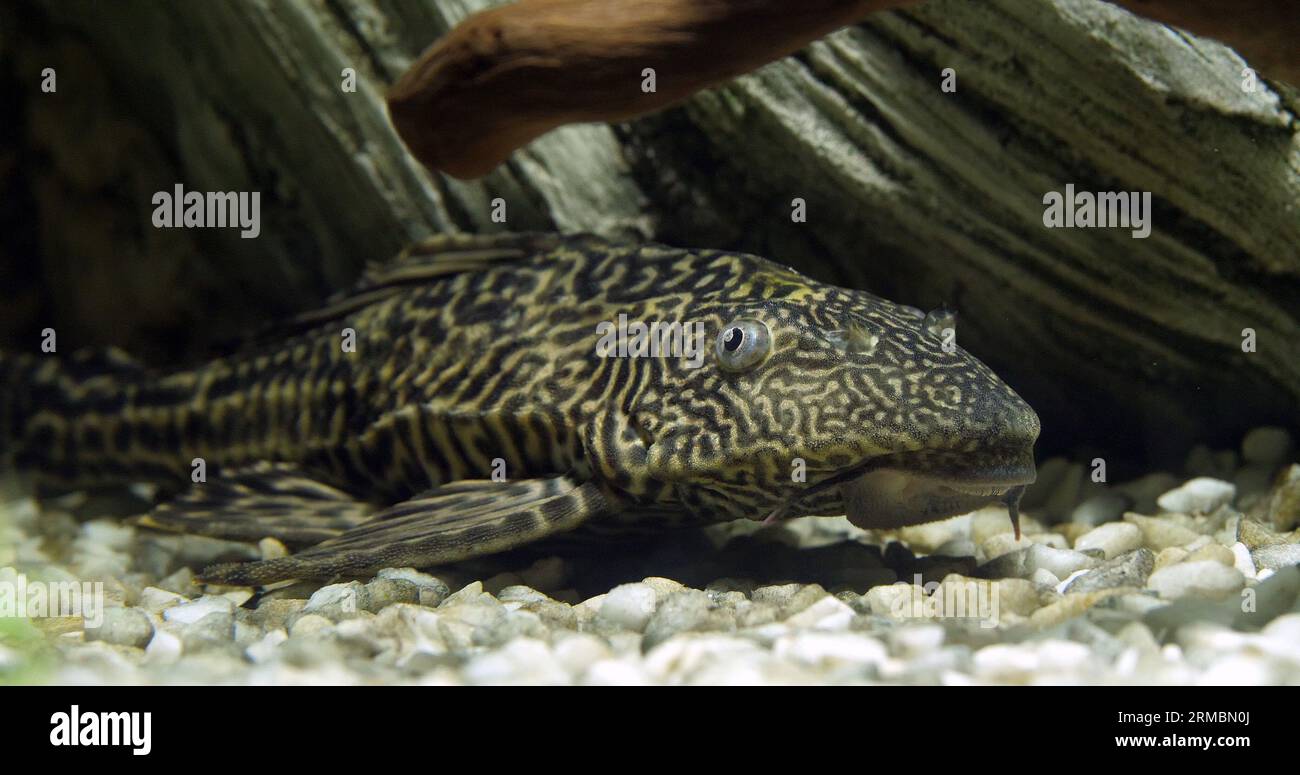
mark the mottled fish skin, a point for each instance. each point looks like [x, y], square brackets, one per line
[494, 357]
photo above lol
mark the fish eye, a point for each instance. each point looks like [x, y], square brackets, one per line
[939, 319]
[742, 344]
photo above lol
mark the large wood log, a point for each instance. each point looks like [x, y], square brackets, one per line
[923, 195]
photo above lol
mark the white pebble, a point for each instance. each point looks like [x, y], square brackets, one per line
[1112, 538]
[1242, 561]
[917, 639]
[615, 672]
[1059, 562]
[629, 606]
[1201, 578]
[164, 648]
[828, 613]
[1004, 661]
[521, 661]
[189, 613]
[1045, 578]
[1238, 670]
[264, 649]
[829, 649]
[1200, 495]
[155, 600]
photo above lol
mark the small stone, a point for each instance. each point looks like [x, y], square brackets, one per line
[1127, 570]
[1212, 551]
[214, 632]
[1255, 535]
[828, 613]
[893, 599]
[192, 613]
[1019, 596]
[1139, 636]
[276, 614]
[665, 587]
[1203, 579]
[1171, 556]
[579, 651]
[629, 606]
[685, 611]
[916, 639]
[339, 601]
[383, 592]
[1059, 562]
[155, 600]
[1002, 543]
[500, 581]
[1006, 662]
[1267, 446]
[181, 582]
[1281, 507]
[308, 624]
[164, 648]
[1201, 495]
[1159, 533]
[1113, 539]
[264, 649]
[929, 536]
[829, 650]
[123, 627]
[1044, 578]
[1276, 556]
[615, 672]
[521, 593]
[988, 522]
[1242, 561]
[424, 581]
[521, 661]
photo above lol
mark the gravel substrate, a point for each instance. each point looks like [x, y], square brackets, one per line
[1187, 579]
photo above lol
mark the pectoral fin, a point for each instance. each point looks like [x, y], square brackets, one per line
[456, 522]
[265, 501]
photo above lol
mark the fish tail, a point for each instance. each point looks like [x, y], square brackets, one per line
[54, 412]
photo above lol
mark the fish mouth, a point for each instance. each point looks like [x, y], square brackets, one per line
[892, 497]
[898, 490]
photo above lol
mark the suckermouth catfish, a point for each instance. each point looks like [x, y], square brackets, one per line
[475, 410]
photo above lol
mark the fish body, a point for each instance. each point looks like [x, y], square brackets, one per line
[481, 393]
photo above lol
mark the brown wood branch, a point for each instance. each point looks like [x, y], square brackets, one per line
[508, 75]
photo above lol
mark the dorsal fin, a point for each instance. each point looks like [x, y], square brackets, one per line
[439, 256]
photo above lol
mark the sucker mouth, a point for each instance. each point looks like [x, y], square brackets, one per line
[882, 493]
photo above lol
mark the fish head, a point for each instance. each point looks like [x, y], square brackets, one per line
[813, 399]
